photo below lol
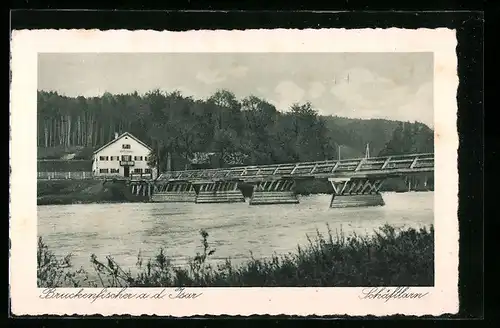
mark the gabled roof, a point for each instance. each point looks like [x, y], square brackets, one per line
[126, 134]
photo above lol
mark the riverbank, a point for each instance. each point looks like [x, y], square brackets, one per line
[62, 192]
[389, 257]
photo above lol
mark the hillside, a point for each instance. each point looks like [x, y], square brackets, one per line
[356, 133]
[178, 127]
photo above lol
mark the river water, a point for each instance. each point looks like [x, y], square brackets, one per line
[235, 230]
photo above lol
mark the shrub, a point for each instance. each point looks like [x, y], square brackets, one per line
[54, 272]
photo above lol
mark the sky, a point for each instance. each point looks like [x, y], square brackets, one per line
[397, 86]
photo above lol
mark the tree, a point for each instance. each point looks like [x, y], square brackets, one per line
[176, 126]
[224, 142]
[311, 138]
[408, 138]
[395, 146]
[259, 118]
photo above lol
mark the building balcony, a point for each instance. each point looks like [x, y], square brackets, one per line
[127, 163]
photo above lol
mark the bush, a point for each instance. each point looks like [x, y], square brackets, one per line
[390, 257]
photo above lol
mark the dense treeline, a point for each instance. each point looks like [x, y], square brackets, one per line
[175, 125]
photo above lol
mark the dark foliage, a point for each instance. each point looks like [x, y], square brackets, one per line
[177, 127]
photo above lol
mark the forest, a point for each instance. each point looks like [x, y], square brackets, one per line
[246, 131]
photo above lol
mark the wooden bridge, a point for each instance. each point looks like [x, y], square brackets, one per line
[384, 166]
[356, 182]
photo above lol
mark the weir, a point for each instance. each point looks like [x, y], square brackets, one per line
[174, 192]
[218, 192]
[356, 192]
[274, 192]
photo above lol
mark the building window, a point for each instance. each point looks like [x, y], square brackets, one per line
[140, 158]
[146, 158]
[102, 158]
[103, 170]
[136, 158]
[126, 146]
[126, 158]
[137, 170]
[147, 171]
[107, 157]
[115, 170]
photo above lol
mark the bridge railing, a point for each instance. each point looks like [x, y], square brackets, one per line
[414, 162]
[141, 176]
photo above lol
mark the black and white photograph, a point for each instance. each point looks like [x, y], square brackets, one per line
[235, 169]
[166, 173]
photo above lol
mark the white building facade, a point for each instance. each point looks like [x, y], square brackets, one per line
[123, 156]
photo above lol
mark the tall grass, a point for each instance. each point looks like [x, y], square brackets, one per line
[389, 257]
[58, 272]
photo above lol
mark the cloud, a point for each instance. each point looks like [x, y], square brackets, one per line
[420, 106]
[91, 92]
[362, 75]
[215, 76]
[262, 90]
[210, 77]
[316, 89]
[287, 93]
[184, 91]
[362, 90]
[238, 71]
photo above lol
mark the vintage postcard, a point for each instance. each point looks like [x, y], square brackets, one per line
[279, 172]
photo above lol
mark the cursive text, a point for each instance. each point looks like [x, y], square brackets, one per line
[387, 293]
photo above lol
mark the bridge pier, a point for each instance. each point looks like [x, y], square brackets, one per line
[274, 192]
[174, 192]
[141, 188]
[356, 192]
[219, 192]
[357, 184]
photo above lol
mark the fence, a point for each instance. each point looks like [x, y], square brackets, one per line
[64, 175]
[141, 176]
[89, 175]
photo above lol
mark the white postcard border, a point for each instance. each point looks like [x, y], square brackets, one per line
[25, 46]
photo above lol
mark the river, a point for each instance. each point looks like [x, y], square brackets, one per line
[235, 230]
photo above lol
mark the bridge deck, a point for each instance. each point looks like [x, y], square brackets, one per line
[383, 166]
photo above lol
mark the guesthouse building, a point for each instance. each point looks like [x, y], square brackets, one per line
[124, 156]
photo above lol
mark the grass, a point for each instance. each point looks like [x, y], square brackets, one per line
[58, 192]
[389, 257]
[57, 272]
